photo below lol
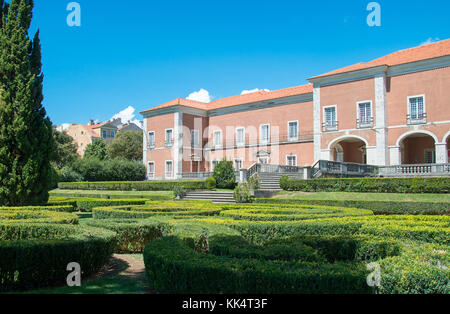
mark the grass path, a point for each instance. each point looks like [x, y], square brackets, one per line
[366, 196]
[124, 274]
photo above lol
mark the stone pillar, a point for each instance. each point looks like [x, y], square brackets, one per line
[145, 146]
[395, 155]
[441, 153]
[381, 120]
[178, 145]
[242, 175]
[371, 155]
[317, 123]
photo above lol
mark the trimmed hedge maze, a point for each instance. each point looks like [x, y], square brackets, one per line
[199, 247]
[36, 247]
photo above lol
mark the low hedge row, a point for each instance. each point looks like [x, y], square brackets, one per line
[133, 186]
[151, 209]
[106, 195]
[62, 207]
[378, 185]
[36, 216]
[378, 207]
[263, 212]
[85, 204]
[133, 235]
[36, 255]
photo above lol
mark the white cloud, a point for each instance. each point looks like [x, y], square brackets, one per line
[128, 115]
[245, 92]
[430, 41]
[202, 96]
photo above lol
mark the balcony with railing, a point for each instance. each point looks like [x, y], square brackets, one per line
[418, 170]
[256, 141]
[330, 126]
[414, 119]
[364, 123]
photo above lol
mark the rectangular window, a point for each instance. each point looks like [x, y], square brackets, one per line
[195, 138]
[365, 114]
[265, 133]
[104, 134]
[240, 137]
[417, 109]
[169, 169]
[151, 170]
[330, 119]
[291, 160]
[217, 139]
[238, 164]
[112, 133]
[293, 131]
[151, 140]
[169, 138]
[213, 165]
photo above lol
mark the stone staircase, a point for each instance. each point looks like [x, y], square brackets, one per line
[216, 197]
[271, 181]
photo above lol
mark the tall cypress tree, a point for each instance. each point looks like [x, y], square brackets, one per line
[26, 141]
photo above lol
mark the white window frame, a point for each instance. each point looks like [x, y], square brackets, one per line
[241, 161]
[167, 144]
[154, 139]
[287, 160]
[330, 128]
[261, 140]
[408, 106]
[292, 139]
[212, 164]
[195, 140]
[366, 124]
[217, 145]
[166, 172]
[154, 170]
[240, 144]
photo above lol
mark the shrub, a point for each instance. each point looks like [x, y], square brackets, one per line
[211, 183]
[378, 207]
[225, 175]
[94, 170]
[179, 191]
[254, 183]
[60, 195]
[132, 186]
[242, 194]
[87, 204]
[56, 206]
[133, 235]
[375, 185]
[67, 174]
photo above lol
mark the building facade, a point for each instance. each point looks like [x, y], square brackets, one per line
[391, 111]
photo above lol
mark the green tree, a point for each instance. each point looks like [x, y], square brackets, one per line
[127, 145]
[26, 140]
[97, 150]
[65, 150]
[224, 175]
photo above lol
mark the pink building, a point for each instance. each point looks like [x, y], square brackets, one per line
[392, 112]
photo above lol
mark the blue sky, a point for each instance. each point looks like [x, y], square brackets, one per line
[143, 53]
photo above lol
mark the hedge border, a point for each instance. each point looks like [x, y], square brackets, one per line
[133, 186]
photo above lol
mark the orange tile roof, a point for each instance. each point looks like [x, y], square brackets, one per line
[238, 100]
[424, 52]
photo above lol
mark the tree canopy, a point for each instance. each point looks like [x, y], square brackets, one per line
[127, 145]
[97, 150]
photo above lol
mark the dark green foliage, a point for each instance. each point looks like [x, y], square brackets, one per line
[211, 183]
[97, 150]
[378, 207]
[65, 150]
[95, 170]
[371, 185]
[132, 186]
[242, 194]
[67, 174]
[179, 191]
[126, 145]
[26, 140]
[224, 175]
[133, 235]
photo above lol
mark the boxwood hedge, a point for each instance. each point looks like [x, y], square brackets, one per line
[375, 185]
[133, 186]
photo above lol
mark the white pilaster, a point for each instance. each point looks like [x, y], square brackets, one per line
[381, 120]
[317, 124]
[395, 155]
[145, 147]
[178, 144]
[441, 153]
[372, 155]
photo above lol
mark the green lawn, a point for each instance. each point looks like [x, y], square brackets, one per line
[366, 196]
[120, 281]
